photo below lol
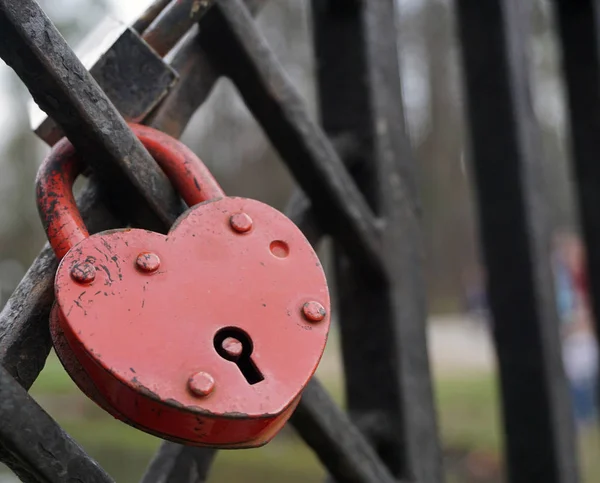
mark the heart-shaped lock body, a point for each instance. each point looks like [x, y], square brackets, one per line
[204, 336]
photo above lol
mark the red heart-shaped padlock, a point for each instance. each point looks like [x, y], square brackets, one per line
[204, 336]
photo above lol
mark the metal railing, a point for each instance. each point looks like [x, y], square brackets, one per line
[391, 432]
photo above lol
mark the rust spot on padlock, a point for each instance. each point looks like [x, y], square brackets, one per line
[147, 262]
[314, 311]
[210, 303]
[83, 273]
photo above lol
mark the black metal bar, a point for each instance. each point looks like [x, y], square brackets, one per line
[579, 28]
[173, 22]
[242, 54]
[25, 344]
[356, 41]
[146, 18]
[538, 423]
[34, 445]
[65, 90]
[174, 463]
[197, 79]
[339, 444]
[39, 277]
[24, 336]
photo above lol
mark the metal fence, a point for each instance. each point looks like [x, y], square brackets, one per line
[357, 177]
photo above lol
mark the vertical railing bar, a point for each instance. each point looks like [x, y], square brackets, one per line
[507, 161]
[356, 41]
[579, 32]
[34, 445]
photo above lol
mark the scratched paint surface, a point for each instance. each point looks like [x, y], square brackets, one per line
[142, 335]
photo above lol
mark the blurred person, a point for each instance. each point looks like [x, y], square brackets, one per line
[579, 347]
[476, 303]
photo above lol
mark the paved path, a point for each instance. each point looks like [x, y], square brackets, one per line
[456, 345]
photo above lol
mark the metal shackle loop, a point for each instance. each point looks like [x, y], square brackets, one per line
[54, 184]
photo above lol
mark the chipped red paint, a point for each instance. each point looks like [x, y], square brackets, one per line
[54, 184]
[141, 338]
[83, 273]
[314, 311]
[148, 262]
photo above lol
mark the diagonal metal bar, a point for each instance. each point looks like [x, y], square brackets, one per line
[35, 446]
[338, 443]
[197, 78]
[242, 54]
[148, 16]
[25, 341]
[17, 332]
[314, 405]
[507, 160]
[174, 463]
[24, 336]
[64, 89]
[173, 22]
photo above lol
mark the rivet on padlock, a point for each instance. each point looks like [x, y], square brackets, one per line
[205, 336]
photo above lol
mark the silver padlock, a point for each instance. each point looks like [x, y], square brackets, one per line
[134, 77]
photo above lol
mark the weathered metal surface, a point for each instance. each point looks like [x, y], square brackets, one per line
[243, 55]
[506, 157]
[197, 79]
[34, 445]
[173, 22]
[339, 444]
[63, 88]
[148, 16]
[125, 67]
[29, 326]
[174, 463]
[24, 336]
[356, 41]
[580, 36]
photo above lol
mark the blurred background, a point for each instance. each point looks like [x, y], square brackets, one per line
[227, 138]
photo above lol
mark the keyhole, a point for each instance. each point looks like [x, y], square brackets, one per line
[233, 344]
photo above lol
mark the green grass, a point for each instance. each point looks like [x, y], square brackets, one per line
[53, 380]
[468, 419]
[468, 408]
[125, 452]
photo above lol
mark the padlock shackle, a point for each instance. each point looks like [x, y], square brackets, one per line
[54, 184]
